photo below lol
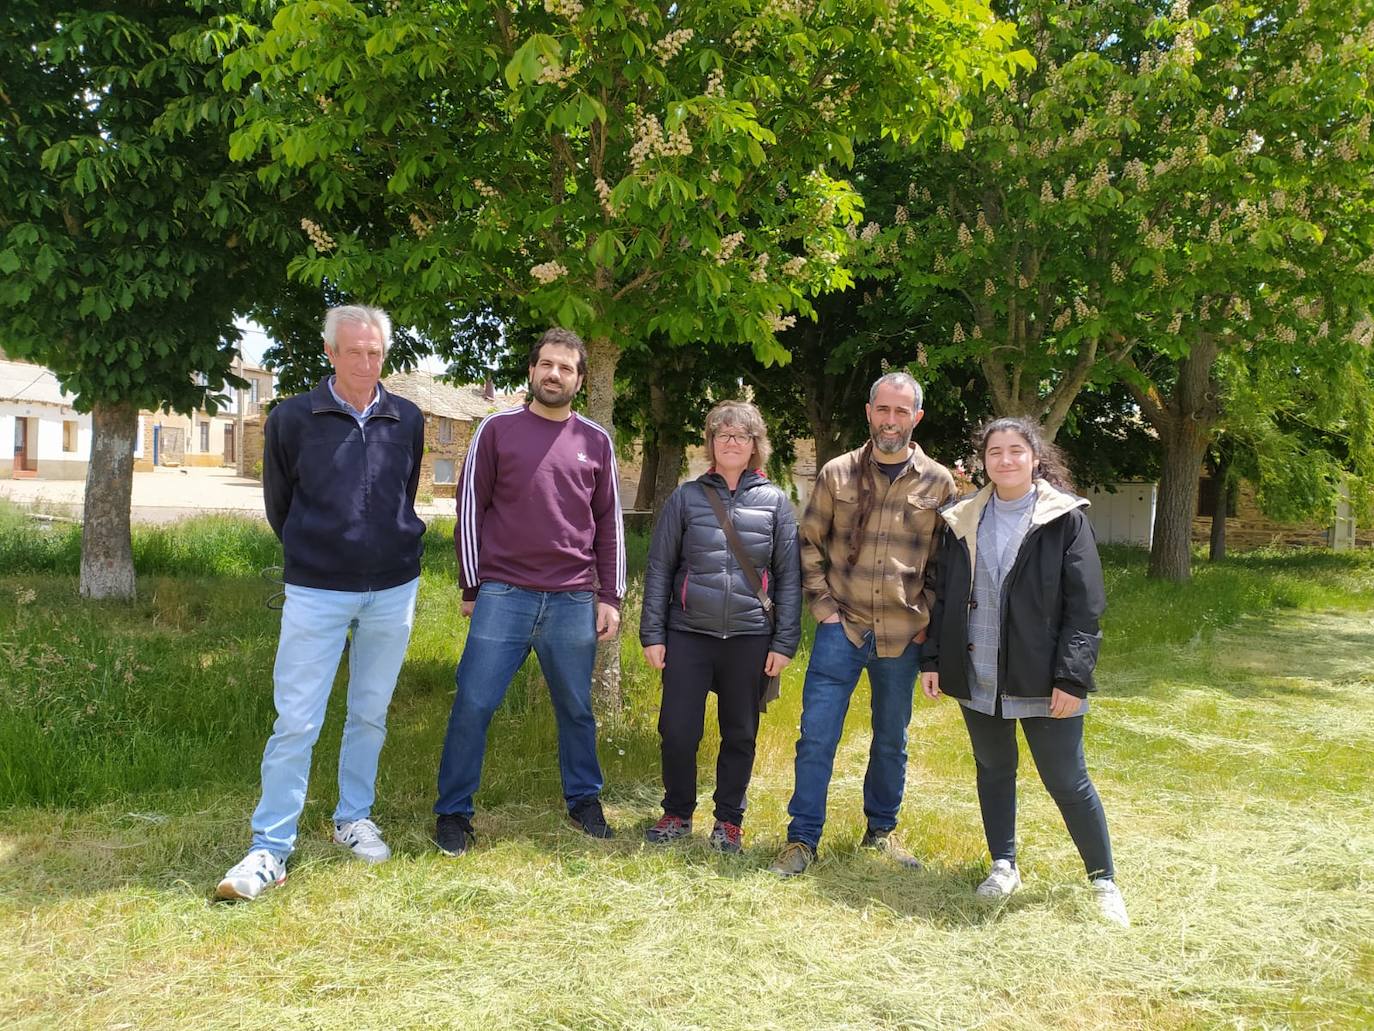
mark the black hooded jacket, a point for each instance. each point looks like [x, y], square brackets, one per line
[1053, 599]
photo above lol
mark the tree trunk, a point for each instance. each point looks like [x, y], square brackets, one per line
[828, 446]
[827, 429]
[602, 358]
[648, 473]
[107, 560]
[669, 473]
[1171, 552]
[1217, 550]
[1184, 422]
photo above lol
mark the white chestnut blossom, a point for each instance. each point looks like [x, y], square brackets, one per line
[568, 10]
[671, 45]
[549, 272]
[322, 241]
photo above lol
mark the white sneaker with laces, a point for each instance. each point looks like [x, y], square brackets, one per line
[1002, 881]
[363, 839]
[1110, 903]
[257, 872]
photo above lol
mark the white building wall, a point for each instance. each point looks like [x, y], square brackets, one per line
[1124, 517]
[50, 439]
[46, 426]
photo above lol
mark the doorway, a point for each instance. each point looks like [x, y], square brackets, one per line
[25, 448]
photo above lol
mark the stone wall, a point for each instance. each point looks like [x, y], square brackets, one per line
[250, 450]
[1249, 528]
[453, 450]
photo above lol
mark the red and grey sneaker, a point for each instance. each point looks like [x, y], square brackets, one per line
[670, 828]
[726, 837]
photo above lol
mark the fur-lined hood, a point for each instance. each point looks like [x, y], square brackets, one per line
[963, 515]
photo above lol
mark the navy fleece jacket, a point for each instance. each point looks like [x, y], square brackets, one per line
[342, 496]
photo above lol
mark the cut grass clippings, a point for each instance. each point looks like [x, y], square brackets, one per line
[1231, 743]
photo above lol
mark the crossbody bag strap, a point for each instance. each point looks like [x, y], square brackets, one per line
[751, 574]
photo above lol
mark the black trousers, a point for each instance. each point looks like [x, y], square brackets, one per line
[1057, 746]
[695, 665]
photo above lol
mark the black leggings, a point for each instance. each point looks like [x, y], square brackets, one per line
[696, 665]
[1057, 746]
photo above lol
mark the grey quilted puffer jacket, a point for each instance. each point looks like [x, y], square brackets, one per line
[693, 582]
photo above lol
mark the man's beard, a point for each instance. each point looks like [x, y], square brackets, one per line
[555, 395]
[900, 447]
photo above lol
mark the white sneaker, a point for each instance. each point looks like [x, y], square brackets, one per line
[257, 872]
[363, 839]
[1002, 881]
[1110, 903]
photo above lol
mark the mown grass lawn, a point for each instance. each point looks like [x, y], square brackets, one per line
[1233, 744]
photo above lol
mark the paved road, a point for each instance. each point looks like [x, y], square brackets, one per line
[165, 495]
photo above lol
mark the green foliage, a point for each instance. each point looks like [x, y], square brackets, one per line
[1165, 173]
[128, 238]
[1304, 438]
[619, 168]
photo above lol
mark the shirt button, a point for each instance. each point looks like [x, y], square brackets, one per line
[970, 647]
[973, 604]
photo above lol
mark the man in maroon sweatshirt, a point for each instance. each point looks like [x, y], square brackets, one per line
[541, 560]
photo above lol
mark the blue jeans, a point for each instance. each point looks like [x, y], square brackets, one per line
[314, 626]
[506, 623]
[831, 677]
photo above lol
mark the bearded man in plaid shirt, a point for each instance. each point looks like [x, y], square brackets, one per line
[867, 550]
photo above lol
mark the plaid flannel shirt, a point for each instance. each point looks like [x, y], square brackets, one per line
[889, 590]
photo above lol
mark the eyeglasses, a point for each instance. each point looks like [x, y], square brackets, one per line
[734, 438]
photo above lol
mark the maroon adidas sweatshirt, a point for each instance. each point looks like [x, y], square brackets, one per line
[539, 507]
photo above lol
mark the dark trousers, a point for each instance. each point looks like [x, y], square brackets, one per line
[695, 665]
[1057, 746]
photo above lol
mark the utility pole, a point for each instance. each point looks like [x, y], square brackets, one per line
[242, 399]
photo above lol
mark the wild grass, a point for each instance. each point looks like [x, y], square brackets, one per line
[1231, 743]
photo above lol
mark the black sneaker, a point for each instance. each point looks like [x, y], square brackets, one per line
[453, 834]
[587, 814]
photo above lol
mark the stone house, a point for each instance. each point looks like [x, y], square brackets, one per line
[451, 414]
[202, 439]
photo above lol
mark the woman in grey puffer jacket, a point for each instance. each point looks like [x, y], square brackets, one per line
[706, 629]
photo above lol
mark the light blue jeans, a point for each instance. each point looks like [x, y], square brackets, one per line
[314, 625]
[507, 622]
[831, 677]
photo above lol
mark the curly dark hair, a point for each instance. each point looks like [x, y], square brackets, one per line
[1049, 460]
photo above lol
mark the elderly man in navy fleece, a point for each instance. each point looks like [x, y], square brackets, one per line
[339, 470]
[541, 560]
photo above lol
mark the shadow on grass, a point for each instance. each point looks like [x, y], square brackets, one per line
[1274, 655]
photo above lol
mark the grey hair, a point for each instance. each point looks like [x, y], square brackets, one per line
[361, 315]
[897, 379]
